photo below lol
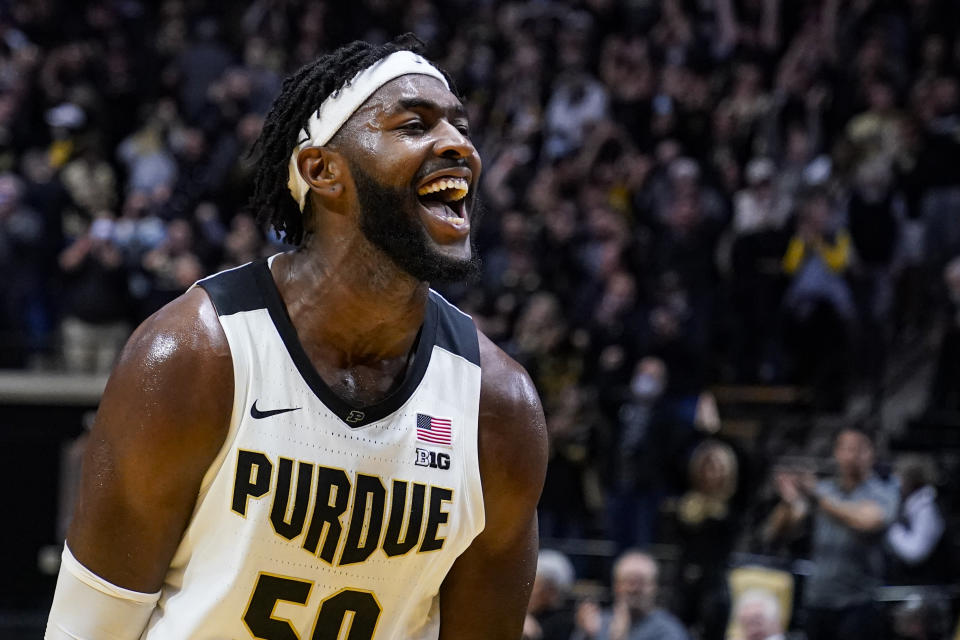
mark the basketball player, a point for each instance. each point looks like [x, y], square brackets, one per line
[318, 445]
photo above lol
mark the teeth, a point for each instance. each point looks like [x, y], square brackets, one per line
[458, 186]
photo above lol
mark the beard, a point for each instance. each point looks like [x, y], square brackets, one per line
[388, 220]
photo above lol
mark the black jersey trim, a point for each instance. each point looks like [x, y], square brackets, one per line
[233, 291]
[353, 416]
[456, 331]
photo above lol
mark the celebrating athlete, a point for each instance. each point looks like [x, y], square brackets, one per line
[317, 445]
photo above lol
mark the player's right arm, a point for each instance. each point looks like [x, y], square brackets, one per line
[162, 420]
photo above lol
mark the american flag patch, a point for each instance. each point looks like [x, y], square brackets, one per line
[433, 430]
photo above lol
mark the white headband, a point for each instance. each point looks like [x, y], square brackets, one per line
[340, 105]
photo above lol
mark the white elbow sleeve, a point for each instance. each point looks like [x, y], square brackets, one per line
[87, 607]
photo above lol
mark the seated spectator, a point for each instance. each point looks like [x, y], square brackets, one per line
[549, 615]
[757, 615]
[634, 614]
[850, 514]
[916, 541]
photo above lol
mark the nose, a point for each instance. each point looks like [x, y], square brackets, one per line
[452, 143]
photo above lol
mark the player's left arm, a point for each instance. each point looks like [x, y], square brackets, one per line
[486, 592]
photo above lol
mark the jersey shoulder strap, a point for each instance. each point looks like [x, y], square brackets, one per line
[236, 290]
[456, 331]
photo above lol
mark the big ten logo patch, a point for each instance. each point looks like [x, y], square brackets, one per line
[432, 459]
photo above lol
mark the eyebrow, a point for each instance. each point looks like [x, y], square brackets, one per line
[412, 104]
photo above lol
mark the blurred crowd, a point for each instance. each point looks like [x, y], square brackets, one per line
[679, 193]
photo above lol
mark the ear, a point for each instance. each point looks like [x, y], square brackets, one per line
[324, 170]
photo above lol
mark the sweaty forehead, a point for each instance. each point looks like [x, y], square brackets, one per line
[405, 90]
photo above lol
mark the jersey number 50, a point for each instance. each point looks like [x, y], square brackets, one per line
[331, 616]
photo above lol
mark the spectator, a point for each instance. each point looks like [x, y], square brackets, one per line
[817, 257]
[758, 616]
[633, 470]
[172, 266]
[818, 301]
[200, 64]
[139, 229]
[851, 513]
[21, 250]
[759, 207]
[243, 243]
[876, 133]
[758, 241]
[148, 162]
[634, 614]
[682, 180]
[945, 388]
[577, 101]
[97, 305]
[549, 614]
[708, 523]
[916, 540]
[875, 210]
[89, 178]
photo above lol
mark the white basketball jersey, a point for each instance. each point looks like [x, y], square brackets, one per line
[319, 520]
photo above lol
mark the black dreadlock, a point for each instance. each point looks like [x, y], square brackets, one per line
[302, 94]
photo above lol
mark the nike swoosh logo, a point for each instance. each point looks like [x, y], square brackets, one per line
[256, 414]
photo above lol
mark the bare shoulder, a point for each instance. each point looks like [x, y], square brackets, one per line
[513, 435]
[162, 419]
[186, 328]
[507, 394]
[175, 369]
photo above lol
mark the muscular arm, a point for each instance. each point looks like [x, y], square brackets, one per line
[161, 421]
[484, 597]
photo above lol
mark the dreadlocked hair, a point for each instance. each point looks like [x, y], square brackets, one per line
[301, 95]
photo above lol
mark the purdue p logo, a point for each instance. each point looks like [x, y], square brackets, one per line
[432, 459]
[355, 416]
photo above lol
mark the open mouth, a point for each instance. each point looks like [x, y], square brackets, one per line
[445, 197]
